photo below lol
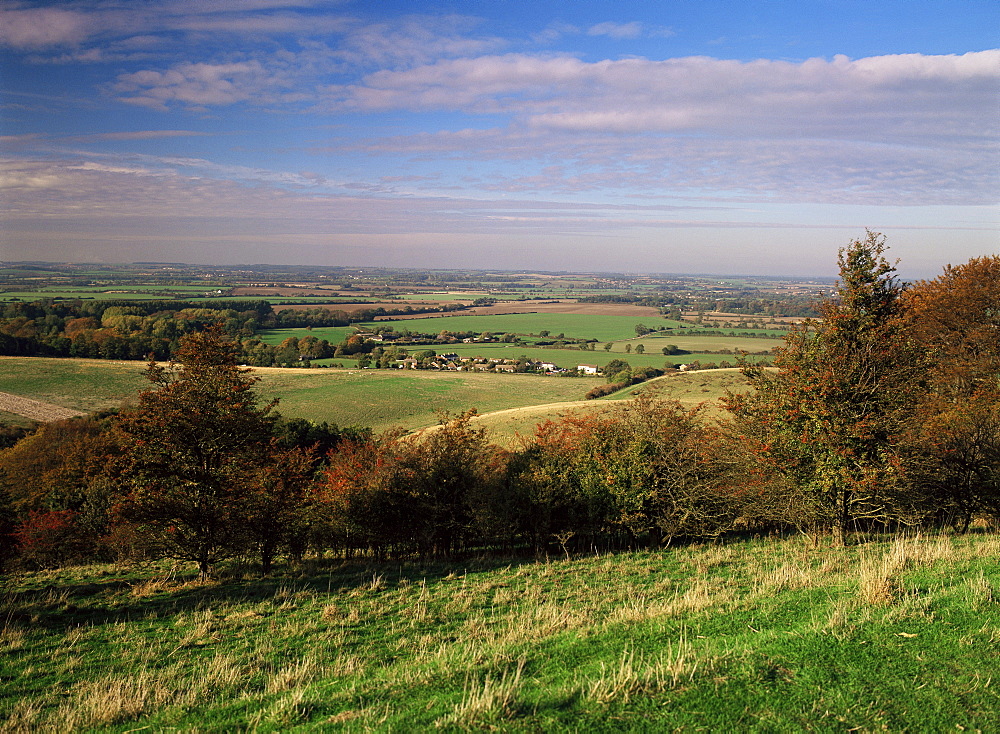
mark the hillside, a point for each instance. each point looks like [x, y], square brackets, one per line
[777, 635]
[379, 399]
[691, 389]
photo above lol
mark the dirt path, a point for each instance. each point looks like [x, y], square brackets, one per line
[36, 410]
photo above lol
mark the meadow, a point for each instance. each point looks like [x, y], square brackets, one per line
[603, 327]
[408, 399]
[379, 399]
[508, 428]
[333, 334]
[89, 385]
[898, 634]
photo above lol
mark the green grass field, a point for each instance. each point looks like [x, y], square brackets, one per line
[379, 399]
[82, 384]
[333, 334]
[763, 635]
[578, 326]
[510, 427]
[409, 399]
[655, 344]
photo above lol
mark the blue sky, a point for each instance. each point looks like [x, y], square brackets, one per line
[694, 136]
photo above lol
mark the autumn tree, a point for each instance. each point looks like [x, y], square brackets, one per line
[955, 434]
[194, 445]
[60, 468]
[829, 418]
[646, 471]
[957, 315]
[275, 506]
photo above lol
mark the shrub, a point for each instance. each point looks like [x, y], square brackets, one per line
[50, 539]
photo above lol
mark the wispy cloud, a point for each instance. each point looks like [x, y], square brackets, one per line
[616, 30]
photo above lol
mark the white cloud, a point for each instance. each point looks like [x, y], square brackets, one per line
[34, 28]
[199, 85]
[618, 31]
[887, 97]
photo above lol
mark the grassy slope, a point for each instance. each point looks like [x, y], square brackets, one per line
[776, 635]
[377, 398]
[506, 427]
[409, 399]
[82, 384]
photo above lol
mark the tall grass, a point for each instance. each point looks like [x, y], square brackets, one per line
[896, 633]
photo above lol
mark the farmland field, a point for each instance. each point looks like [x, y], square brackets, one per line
[408, 399]
[376, 398]
[333, 334]
[704, 387]
[81, 384]
[891, 634]
[574, 325]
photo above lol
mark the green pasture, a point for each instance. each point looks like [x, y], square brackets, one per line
[570, 358]
[700, 388]
[707, 343]
[333, 334]
[604, 328]
[96, 295]
[444, 296]
[87, 385]
[111, 292]
[379, 399]
[764, 635]
[409, 399]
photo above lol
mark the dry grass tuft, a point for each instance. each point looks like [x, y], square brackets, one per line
[981, 592]
[152, 586]
[113, 700]
[633, 678]
[294, 676]
[487, 702]
[12, 638]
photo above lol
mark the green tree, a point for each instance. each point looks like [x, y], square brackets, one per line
[828, 421]
[192, 449]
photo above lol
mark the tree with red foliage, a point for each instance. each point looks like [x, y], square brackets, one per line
[193, 449]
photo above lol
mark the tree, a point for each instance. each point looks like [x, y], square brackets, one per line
[645, 471]
[830, 418]
[640, 348]
[276, 514]
[957, 315]
[955, 434]
[192, 447]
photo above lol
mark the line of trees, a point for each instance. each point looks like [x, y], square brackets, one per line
[884, 413]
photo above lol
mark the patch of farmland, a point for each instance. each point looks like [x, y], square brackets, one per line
[508, 427]
[333, 334]
[707, 343]
[85, 385]
[603, 327]
[630, 310]
[35, 410]
[408, 399]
